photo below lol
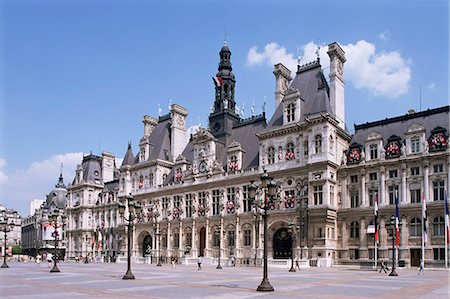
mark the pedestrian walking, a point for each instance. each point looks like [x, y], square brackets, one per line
[38, 259]
[172, 260]
[297, 264]
[49, 259]
[383, 267]
[199, 263]
[421, 268]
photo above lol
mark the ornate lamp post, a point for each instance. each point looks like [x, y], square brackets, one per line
[291, 231]
[54, 214]
[154, 214]
[134, 209]
[391, 224]
[218, 234]
[5, 227]
[269, 185]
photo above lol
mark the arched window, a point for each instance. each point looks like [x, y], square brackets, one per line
[415, 227]
[318, 144]
[290, 112]
[438, 226]
[271, 155]
[290, 155]
[354, 229]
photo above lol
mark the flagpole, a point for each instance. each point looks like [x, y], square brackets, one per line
[447, 228]
[424, 231]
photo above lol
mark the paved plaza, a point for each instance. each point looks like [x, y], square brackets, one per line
[28, 280]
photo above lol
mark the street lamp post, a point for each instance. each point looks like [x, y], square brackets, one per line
[134, 209]
[217, 232]
[391, 224]
[269, 185]
[53, 216]
[292, 233]
[5, 228]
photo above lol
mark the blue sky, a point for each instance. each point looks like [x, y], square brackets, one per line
[78, 76]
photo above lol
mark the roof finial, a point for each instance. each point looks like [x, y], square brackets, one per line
[60, 172]
[225, 39]
[299, 57]
[252, 109]
[318, 53]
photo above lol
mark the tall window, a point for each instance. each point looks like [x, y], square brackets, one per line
[393, 173]
[373, 149]
[305, 148]
[165, 206]
[290, 112]
[247, 237]
[331, 195]
[354, 229]
[438, 168]
[150, 179]
[372, 194]
[415, 145]
[415, 195]
[415, 170]
[354, 199]
[231, 238]
[393, 192]
[246, 200]
[216, 238]
[215, 202]
[271, 155]
[373, 176]
[415, 227]
[438, 226]
[176, 239]
[354, 179]
[438, 190]
[318, 195]
[318, 144]
[189, 239]
[188, 207]
[231, 200]
[439, 254]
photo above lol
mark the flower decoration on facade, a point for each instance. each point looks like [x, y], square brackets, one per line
[289, 201]
[232, 166]
[290, 156]
[178, 175]
[393, 149]
[438, 140]
[354, 153]
[202, 210]
[176, 212]
[141, 182]
[231, 207]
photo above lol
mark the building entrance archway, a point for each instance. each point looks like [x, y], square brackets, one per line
[202, 241]
[282, 244]
[147, 245]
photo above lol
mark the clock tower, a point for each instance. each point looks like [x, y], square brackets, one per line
[223, 114]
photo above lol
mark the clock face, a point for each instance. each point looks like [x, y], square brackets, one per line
[202, 166]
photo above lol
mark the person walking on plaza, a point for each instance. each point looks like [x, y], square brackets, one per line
[38, 259]
[421, 268]
[172, 260]
[297, 264]
[49, 259]
[383, 267]
[199, 263]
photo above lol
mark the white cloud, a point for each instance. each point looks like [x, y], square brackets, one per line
[3, 176]
[382, 74]
[190, 131]
[272, 54]
[431, 86]
[39, 179]
[384, 36]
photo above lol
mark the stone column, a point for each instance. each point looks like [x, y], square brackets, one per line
[382, 193]
[237, 243]
[363, 188]
[344, 233]
[362, 234]
[194, 234]
[207, 237]
[345, 199]
[180, 240]
[169, 234]
[403, 194]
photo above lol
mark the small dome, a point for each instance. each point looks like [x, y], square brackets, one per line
[225, 49]
[58, 196]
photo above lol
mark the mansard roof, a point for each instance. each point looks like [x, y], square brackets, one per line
[314, 92]
[428, 119]
[159, 139]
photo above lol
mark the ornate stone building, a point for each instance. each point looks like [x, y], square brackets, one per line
[195, 199]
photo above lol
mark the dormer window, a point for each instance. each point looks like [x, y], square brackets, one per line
[233, 164]
[415, 145]
[178, 175]
[373, 150]
[290, 112]
[142, 154]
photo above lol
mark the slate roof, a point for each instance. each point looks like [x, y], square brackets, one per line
[314, 92]
[129, 157]
[399, 125]
[160, 140]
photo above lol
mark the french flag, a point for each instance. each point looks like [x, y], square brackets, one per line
[424, 217]
[447, 223]
[375, 211]
[397, 232]
[217, 81]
